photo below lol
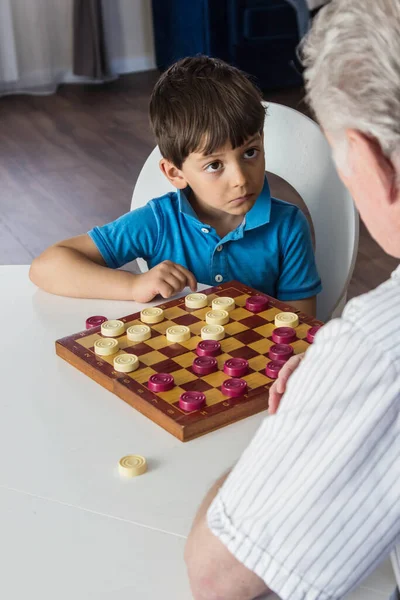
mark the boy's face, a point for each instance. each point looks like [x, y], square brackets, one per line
[229, 180]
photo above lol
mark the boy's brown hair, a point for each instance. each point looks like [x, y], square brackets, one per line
[201, 103]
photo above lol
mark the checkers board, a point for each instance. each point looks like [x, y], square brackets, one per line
[247, 335]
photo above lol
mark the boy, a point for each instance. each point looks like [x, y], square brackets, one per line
[221, 224]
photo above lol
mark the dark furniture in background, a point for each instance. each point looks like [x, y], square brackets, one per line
[258, 36]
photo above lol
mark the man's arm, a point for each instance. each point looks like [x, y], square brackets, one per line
[214, 573]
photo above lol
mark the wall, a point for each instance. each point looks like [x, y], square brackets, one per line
[129, 34]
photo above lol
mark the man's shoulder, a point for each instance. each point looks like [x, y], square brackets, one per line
[377, 313]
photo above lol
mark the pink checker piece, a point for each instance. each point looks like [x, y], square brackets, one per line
[312, 332]
[273, 367]
[208, 348]
[234, 387]
[256, 304]
[284, 335]
[95, 321]
[204, 365]
[161, 382]
[236, 367]
[192, 401]
[280, 352]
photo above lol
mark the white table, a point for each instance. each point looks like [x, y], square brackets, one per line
[70, 527]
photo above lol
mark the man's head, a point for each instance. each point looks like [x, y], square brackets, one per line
[208, 120]
[352, 59]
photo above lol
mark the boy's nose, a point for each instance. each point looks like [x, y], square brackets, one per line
[238, 177]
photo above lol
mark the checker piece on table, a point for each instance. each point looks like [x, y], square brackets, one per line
[159, 379]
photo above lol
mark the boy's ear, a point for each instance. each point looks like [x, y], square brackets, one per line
[173, 174]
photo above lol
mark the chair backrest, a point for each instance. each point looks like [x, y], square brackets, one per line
[297, 151]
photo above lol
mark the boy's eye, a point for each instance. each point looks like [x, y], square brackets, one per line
[213, 167]
[251, 153]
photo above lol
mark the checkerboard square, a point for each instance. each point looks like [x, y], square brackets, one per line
[124, 342]
[173, 350]
[270, 314]
[300, 346]
[215, 396]
[185, 360]
[265, 330]
[234, 327]
[139, 349]
[195, 328]
[239, 314]
[248, 336]
[201, 313]
[244, 352]
[191, 343]
[301, 330]
[187, 320]
[183, 376]
[210, 298]
[221, 359]
[256, 380]
[142, 374]
[152, 358]
[163, 326]
[156, 342]
[173, 313]
[166, 366]
[197, 385]
[258, 363]
[253, 321]
[230, 343]
[230, 292]
[262, 346]
[133, 322]
[171, 396]
[216, 379]
[241, 300]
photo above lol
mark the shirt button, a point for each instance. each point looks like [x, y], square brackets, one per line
[219, 248]
[204, 230]
[218, 278]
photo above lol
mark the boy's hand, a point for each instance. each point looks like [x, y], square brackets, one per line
[279, 386]
[166, 279]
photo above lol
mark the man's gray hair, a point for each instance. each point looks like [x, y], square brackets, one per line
[352, 60]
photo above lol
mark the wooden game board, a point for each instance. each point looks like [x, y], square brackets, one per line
[248, 336]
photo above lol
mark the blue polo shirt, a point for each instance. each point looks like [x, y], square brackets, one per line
[271, 250]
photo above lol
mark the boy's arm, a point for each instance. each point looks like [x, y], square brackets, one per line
[307, 305]
[76, 268]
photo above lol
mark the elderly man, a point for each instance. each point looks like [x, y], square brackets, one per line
[313, 505]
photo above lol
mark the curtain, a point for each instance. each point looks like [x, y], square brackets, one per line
[34, 47]
[90, 57]
[37, 46]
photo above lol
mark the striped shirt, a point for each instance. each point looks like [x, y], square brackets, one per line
[313, 505]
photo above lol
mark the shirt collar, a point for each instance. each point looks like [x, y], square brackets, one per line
[258, 215]
[184, 205]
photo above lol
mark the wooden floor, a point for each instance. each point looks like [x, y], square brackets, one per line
[70, 161]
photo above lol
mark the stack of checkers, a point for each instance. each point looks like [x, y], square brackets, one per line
[209, 357]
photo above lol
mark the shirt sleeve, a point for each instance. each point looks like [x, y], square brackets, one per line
[299, 276]
[134, 235]
[312, 505]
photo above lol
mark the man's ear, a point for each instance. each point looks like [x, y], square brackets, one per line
[173, 174]
[366, 153]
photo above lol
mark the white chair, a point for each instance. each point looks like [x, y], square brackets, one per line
[297, 151]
